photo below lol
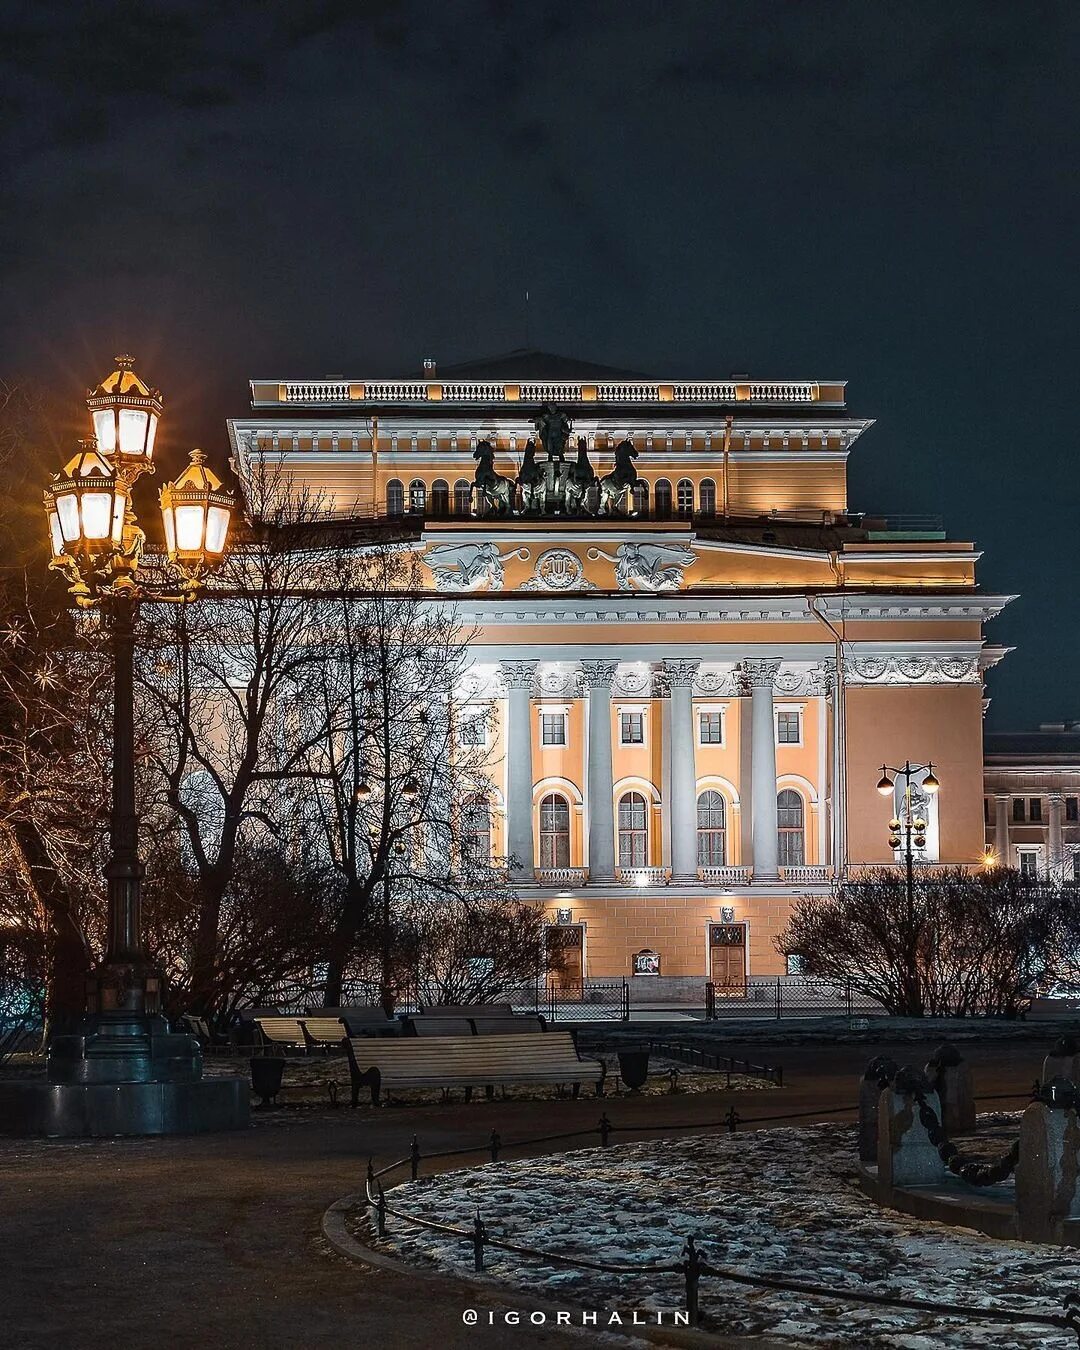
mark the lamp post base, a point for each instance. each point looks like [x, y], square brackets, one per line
[123, 1073]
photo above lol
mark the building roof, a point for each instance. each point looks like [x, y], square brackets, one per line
[1056, 741]
[527, 363]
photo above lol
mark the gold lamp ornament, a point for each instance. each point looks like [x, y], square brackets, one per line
[196, 511]
[124, 411]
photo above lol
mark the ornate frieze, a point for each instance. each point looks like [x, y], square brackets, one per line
[639, 680]
[469, 566]
[518, 674]
[558, 569]
[712, 681]
[554, 680]
[648, 566]
[911, 669]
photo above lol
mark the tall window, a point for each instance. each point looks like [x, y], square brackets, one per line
[462, 497]
[639, 497]
[788, 730]
[711, 829]
[417, 496]
[707, 497]
[476, 830]
[790, 828]
[684, 497]
[1029, 863]
[632, 728]
[1018, 809]
[440, 497]
[554, 831]
[395, 498]
[633, 831]
[553, 728]
[1071, 813]
[662, 499]
[711, 728]
[1035, 809]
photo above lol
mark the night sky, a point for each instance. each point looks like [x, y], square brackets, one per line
[882, 192]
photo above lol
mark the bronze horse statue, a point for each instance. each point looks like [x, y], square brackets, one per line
[494, 490]
[581, 483]
[615, 487]
[531, 478]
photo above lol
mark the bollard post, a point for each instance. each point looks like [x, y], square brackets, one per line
[478, 1242]
[732, 1119]
[605, 1130]
[414, 1158]
[878, 1074]
[496, 1144]
[380, 1213]
[692, 1272]
[370, 1174]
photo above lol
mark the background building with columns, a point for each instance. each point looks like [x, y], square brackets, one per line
[695, 656]
[1032, 800]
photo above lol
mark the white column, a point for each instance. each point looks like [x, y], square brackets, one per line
[1057, 851]
[598, 676]
[759, 675]
[683, 771]
[518, 677]
[1001, 829]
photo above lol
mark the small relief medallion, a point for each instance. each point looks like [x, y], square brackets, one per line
[557, 569]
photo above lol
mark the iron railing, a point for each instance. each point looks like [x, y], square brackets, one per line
[787, 996]
[588, 1002]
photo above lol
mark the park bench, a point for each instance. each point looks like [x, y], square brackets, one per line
[468, 1062]
[439, 1026]
[361, 1019]
[468, 1010]
[323, 1033]
[524, 1024]
[283, 1032]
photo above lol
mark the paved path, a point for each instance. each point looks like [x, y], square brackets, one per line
[214, 1241]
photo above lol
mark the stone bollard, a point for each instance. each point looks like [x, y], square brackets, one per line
[1063, 1061]
[950, 1077]
[1048, 1170]
[906, 1157]
[879, 1073]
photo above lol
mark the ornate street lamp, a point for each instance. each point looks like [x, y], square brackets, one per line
[147, 1080]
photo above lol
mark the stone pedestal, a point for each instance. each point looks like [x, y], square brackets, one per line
[879, 1073]
[950, 1077]
[101, 1110]
[1047, 1186]
[906, 1157]
[1063, 1061]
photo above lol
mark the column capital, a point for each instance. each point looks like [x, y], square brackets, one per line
[680, 671]
[518, 674]
[599, 674]
[1055, 798]
[823, 678]
[760, 672]
[1002, 796]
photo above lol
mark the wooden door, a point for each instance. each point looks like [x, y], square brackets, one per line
[568, 941]
[727, 959]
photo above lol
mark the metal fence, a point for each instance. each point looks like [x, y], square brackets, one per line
[787, 996]
[588, 1002]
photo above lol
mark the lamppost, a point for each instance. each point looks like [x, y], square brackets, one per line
[124, 1072]
[908, 829]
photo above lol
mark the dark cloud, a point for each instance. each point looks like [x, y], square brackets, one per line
[884, 191]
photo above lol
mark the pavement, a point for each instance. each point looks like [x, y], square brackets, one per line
[214, 1241]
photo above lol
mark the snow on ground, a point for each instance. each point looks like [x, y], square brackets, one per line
[779, 1202]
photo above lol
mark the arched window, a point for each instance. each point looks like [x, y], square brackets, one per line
[462, 497]
[418, 496]
[395, 497]
[554, 831]
[476, 830]
[440, 497]
[790, 828]
[639, 498]
[707, 497]
[662, 499]
[711, 829]
[633, 831]
[684, 497]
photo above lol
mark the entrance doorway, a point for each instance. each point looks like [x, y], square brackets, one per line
[727, 959]
[566, 942]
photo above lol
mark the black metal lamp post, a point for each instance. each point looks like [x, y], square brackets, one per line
[907, 829]
[124, 1072]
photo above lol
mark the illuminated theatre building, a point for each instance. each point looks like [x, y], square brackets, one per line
[697, 675]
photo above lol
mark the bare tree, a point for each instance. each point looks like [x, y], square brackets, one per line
[965, 943]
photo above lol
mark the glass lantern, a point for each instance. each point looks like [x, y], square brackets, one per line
[86, 504]
[125, 410]
[196, 511]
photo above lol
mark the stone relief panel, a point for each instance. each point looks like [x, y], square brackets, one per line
[469, 566]
[905, 669]
[648, 566]
[558, 569]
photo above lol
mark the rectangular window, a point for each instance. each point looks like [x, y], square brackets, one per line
[1029, 862]
[1035, 809]
[986, 810]
[1018, 809]
[473, 730]
[795, 963]
[1072, 813]
[553, 728]
[631, 728]
[711, 728]
[788, 728]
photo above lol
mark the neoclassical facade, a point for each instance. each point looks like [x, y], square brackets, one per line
[1032, 801]
[698, 658]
